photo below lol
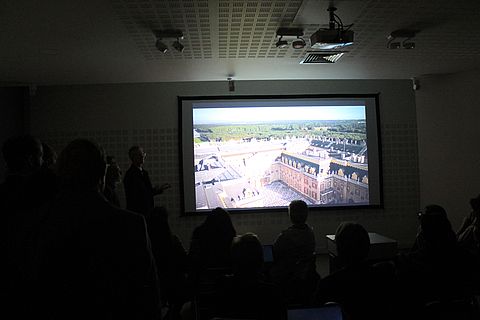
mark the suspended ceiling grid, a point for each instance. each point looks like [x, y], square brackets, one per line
[97, 41]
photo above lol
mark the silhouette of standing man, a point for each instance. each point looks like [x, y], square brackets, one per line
[93, 260]
[139, 191]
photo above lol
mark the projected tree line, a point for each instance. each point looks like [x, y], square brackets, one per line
[352, 130]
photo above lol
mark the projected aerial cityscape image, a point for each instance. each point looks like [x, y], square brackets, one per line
[248, 157]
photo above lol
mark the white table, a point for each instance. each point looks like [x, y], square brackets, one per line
[381, 249]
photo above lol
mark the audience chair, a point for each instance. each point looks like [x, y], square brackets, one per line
[205, 296]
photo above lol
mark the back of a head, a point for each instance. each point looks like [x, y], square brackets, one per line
[298, 211]
[219, 223]
[475, 203]
[133, 151]
[353, 242]
[435, 226]
[247, 254]
[81, 165]
[49, 155]
[22, 153]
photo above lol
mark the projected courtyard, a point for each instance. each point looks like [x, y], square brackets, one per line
[266, 157]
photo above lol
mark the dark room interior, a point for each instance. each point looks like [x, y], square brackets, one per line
[112, 71]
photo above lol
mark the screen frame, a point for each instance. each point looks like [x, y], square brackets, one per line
[375, 96]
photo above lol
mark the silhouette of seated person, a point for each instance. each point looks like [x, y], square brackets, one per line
[139, 191]
[113, 176]
[209, 252]
[19, 192]
[469, 233]
[293, 268]
[23, 157]
[245, 295]
[469, 239]
[94, 260]
[49, 156]
[47, 172]
[19, 206]
[364, 291]
[437, 269]
[172, 261]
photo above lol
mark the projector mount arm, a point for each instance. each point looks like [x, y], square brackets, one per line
[336, 21]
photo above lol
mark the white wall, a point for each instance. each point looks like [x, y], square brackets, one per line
[448, 117]
[120, 115]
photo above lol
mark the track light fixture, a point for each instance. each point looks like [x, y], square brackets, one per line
[294, 34]
[394, 45]
[281, 43]
[178, 46]
[299, 43]
[162, 47]
[395, 36]
[408, 45]
[168, 34]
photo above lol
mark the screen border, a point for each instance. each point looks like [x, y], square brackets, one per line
[375, 96]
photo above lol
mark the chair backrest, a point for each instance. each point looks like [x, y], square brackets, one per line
[476, 304]
[206, 292]
[461, 309]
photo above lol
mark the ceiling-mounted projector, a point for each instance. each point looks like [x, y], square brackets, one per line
[336, 36]
[327, 39]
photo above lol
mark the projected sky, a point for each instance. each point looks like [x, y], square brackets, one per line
[256, 114]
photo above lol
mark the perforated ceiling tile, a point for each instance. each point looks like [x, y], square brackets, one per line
[438, 24]
[140, 17]
[245, 29]
[248, 28]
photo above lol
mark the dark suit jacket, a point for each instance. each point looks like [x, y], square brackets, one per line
[94, 261]
[138, 190]
[20, 200]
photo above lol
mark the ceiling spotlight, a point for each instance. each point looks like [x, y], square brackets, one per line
[299, 43]
[162, 47]
[168, 34]
[281, 43]
[405, 34]
[408, 45]
[293, 34]
[394, 45]
[178, 46]
[402, 33]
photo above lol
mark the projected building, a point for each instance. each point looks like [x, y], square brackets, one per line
[270, 173]
[322, 179]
